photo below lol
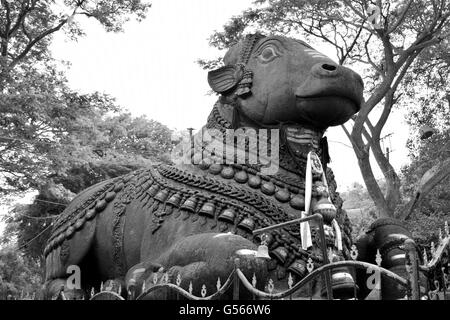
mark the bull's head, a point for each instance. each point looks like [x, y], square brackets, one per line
[282, 80]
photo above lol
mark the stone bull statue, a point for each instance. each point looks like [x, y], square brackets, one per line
[193, 219]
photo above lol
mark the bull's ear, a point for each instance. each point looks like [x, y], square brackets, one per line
[225, 78]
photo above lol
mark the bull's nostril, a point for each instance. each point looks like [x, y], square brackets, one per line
[328, 67]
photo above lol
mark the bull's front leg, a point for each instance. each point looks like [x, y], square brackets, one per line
[199, 261]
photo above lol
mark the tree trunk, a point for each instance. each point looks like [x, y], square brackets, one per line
[372, 185]
[429, 180]
[393, 183]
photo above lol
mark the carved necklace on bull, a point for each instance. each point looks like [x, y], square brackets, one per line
[237, 79]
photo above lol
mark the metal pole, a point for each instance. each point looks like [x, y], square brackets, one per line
[413, 261]
[288, 223]
[191, 139]
[323, 247]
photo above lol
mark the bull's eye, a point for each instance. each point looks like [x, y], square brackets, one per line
[268, 54]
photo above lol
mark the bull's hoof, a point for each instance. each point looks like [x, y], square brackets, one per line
[56, 289]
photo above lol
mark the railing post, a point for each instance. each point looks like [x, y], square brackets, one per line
[236, 280]
[323, 247]
[412, 266]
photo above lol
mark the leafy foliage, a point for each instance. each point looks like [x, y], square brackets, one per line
[434, 209]
[19, 275]
[100, 148]
[432, 95]
[38, 112]
[39, 116]
[360, 208]
[53, 141]
[26, 26]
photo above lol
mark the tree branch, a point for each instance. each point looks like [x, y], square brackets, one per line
[351, 6]
[31, 44]
[4, 34]
[400, 19]
[25, 9]
[429, 180]
[355, 146]
[369, 59]
[352, 45]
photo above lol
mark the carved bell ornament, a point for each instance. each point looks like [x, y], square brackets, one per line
[228, 215]
[425, 132]
[263, 252]
[247, 224]
[153, 190]
[326, 209]
[207, 209]
[280, 254]
[298, 267]
[190, 204]
[174, 200]
[162, 195]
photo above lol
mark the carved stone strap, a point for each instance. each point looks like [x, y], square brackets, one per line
[129, 192]
[249, 44]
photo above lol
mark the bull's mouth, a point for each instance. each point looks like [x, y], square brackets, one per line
[325, 110]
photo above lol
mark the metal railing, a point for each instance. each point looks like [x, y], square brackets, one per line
[237, 277]
[237, 280]
[438, 268]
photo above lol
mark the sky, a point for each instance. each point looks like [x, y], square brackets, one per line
[151, 69]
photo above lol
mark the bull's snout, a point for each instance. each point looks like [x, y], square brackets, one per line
[325, 70]
[326, 79]
[330, 95]
[333, 70]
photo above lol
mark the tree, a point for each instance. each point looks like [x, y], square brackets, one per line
[359, 207]
[19, 275]
[430, 166]
[385, 39]
[37, 109]
[38, 121]
[431, 211]
[54, 140]
[103, 147]
[428, 170]
[26, 27]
